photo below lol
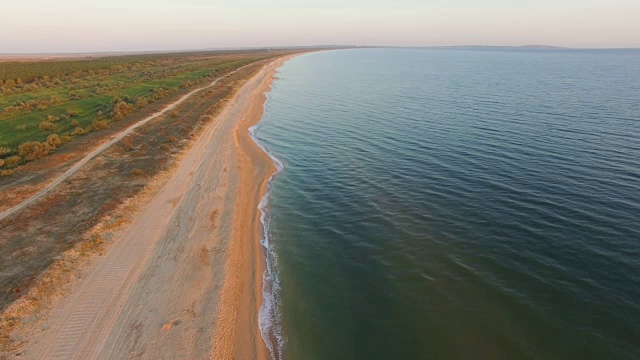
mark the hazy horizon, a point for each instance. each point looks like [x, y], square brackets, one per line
[73, 26]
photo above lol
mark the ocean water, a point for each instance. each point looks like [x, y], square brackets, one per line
[454, 204]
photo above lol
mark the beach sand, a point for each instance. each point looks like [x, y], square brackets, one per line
[184, 279]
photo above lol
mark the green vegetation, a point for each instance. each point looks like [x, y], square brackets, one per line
[45, 104]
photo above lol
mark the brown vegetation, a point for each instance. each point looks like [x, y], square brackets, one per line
[34, 150]
[46, 126]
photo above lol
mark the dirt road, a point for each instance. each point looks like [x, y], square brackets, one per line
[183, 280]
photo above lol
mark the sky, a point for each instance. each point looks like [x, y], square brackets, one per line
[57, 26]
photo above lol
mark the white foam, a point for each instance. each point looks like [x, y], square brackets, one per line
[269, 318]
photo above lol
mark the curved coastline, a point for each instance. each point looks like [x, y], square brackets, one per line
[268, 319]
[248, 262]
[269, 312]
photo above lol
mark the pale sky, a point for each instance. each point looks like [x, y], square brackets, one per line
[28, 26]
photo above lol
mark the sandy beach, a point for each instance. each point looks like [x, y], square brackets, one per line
[183, 280]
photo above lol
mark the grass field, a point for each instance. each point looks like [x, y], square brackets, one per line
[69, 98]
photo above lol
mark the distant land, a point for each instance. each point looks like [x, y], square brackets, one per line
[493, 47]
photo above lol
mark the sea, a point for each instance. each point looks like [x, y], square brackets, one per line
[453, 204]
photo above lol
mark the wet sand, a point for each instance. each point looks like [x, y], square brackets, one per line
[184, 279]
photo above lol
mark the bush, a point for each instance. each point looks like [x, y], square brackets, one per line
[1, 162]
[52, 118]
[22, 127]
[98, 125]
[4, 151]
[46, 126]
[54, 140]
[34, 150]
[6, 172]
[127, 143]
[77, 131]
[141, 102]
[137, 172]
[174, 114]
[12, 161]
[75, 123]
[121, 109]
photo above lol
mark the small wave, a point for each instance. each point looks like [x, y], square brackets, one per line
[270, 312]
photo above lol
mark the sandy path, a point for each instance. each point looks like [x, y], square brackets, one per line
[30, 200]
[183, 281]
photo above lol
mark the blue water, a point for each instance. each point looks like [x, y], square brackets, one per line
[439, 204]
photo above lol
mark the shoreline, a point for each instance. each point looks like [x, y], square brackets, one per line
[260, 166]
[192, 248]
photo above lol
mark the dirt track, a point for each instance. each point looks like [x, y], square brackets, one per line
[183, 280]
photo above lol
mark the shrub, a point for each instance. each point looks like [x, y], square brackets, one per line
[77, 131]
[127, 143]
[54, 140]
[164, 147]
[22, 127]
[121, 109]
[46, 126]
[171, 139]
[34, 150]
[72, 113]
[12, 161]
[52, 118]
[6, 172]
[141, 102]
[4, 151]
[98, 125]
[74, 95]
[174, 113]
[75, 123]
[1, 162]
[137, 172]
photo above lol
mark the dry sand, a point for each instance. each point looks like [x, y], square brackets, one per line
[184, 279]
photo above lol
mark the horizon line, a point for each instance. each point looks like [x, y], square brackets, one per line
[295, 47]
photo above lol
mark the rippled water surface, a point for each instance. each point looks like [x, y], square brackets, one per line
[441, 204]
